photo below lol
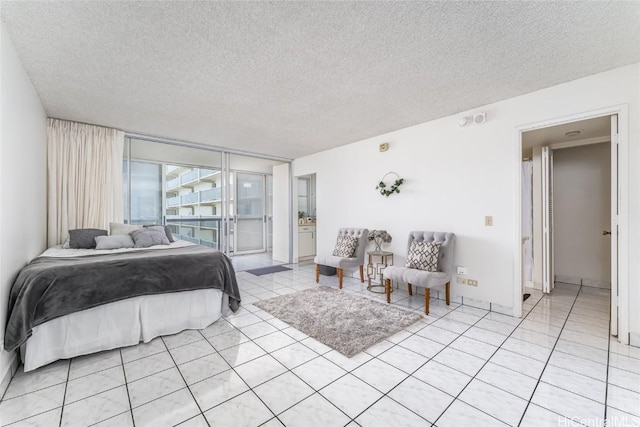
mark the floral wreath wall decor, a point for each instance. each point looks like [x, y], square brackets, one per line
[385, 190]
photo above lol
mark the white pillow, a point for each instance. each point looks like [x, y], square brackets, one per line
[114, 242]
[345, 246]
[118, 229]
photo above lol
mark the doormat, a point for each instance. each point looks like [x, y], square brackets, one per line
[268, 270]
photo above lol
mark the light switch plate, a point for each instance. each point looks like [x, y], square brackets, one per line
[488, 221]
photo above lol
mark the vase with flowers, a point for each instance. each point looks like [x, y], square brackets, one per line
[379, 237]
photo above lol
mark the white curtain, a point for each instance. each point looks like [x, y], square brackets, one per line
[527, 220]
[84, 169]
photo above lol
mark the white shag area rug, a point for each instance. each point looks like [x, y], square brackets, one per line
[345, 322]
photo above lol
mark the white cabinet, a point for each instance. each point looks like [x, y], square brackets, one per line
[306, 241]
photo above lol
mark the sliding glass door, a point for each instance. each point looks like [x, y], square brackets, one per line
[207, 197]
[250, 217]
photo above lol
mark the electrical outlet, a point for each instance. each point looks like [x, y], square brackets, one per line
[461, 281]
[472, 282]
[488, 221]
[461, 270]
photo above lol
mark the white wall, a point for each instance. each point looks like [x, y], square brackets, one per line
[455, 176]
[281, 215]
[22, 177]
[581, 210]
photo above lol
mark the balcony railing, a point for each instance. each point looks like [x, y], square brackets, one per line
[190, 199]
[210, 195]
[204, 196]
[175, 182]
[210, 224]
[189, 177]
[207, 172]
[197, 227]
[173, 201]
[210, 243]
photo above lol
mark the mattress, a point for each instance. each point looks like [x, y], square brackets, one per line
[53, 286]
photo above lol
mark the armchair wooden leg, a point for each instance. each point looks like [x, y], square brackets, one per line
[410, 288]
[362, 273]
[340, 273]
[387, 288]
[448, 292]
[427, 297]
[317, 273]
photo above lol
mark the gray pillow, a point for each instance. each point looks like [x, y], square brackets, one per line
[114, 242]
[166, 228]
[145, 238]
[84, 238]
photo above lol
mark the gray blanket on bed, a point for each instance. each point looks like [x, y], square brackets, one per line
[49, 287]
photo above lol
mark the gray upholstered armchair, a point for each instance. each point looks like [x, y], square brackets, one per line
[340, 263]
[421, 278]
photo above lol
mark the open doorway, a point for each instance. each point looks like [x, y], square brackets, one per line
[570, 207]
[306, 207]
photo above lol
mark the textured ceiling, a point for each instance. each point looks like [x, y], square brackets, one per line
[289, 78]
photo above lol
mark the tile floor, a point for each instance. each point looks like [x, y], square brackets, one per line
[250, 261]
[458, 366]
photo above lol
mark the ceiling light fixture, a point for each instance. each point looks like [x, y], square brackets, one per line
[465, 121]
[476, 119]
[573, 133]
[479, 118]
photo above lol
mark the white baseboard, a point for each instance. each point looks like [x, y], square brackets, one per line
[568, 279]
[472, 302]
[501, 309]
[440, 294]
[596, 283]
[9, 372]
[634, 339]
[603, 284]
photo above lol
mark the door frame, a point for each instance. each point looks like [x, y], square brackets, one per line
[623, 215]
[548, 252]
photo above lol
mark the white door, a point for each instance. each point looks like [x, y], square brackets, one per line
[547, 220]
[615, 201]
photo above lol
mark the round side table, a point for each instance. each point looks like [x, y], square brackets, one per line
[375, 269]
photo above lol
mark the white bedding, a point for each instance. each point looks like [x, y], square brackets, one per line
[121, 323]
[59, 252]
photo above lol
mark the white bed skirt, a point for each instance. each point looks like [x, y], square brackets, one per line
[121, 324]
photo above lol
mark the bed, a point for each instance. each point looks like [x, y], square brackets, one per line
[70, 302]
